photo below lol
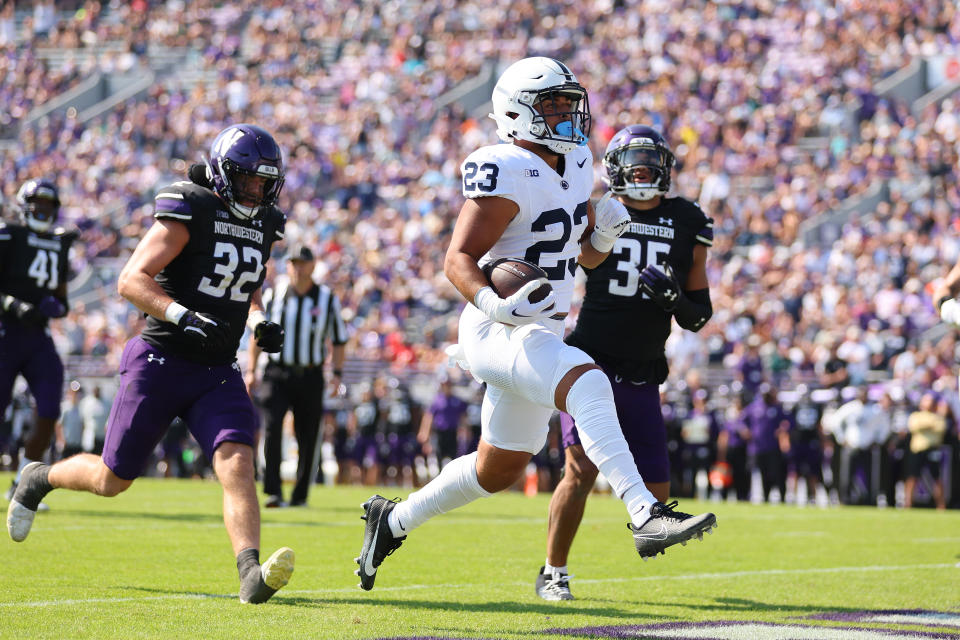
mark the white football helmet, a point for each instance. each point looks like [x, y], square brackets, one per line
[516, 107]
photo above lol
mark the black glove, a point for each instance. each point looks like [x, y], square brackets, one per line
[269, 336]
[206, 331]
[661, 285]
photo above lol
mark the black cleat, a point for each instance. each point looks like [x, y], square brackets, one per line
[378, 540]
[667, 527]
[553, 586]
[259, 586]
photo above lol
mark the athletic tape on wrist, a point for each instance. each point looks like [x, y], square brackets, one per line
[174, 312]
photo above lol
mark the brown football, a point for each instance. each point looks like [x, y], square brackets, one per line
[507, 275]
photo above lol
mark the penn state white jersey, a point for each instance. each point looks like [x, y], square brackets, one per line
[553, 208]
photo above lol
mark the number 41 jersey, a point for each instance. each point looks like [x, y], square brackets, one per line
[553, 207]
[222, 264]
[33, 264]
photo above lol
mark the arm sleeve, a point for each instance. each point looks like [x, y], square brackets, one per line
[693, 309]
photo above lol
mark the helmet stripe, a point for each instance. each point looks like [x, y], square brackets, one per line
[564, 70]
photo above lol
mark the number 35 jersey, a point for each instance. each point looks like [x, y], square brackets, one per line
[618, 323]
[33, 265]
[220, 267]
[553, 207]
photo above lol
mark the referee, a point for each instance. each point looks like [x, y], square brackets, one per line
[293, 378]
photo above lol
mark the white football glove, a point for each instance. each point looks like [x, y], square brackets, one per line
[950, 312]
[611, 221]
[517, 309]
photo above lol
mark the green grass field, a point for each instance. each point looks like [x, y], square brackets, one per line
[155, 563]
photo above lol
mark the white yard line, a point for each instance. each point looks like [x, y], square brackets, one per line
[445, 587]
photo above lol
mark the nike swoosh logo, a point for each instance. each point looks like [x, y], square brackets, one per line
[368, 567]
[581, 163]
[659, 535]
[519, 315]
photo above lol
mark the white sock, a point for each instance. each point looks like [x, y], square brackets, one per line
[590, 402]
[456, 486]
[549, 569]
[24, 461]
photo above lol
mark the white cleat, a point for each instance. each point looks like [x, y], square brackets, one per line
[278, 568]
[19, 521]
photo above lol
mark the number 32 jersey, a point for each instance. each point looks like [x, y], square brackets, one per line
[553, 207]
[223, 263]
[33, 265]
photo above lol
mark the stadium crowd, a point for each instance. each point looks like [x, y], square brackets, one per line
[770, 107]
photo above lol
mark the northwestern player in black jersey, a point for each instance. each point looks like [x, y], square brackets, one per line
[194, 274]
[33, 289]
[656, 272]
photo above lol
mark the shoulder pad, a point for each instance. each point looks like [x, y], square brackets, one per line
[181, 200]
[699, 221]
[277, 221]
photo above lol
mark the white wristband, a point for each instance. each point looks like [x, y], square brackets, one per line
[484, 293]
[256, 317]
[601, 243]
[174, 312]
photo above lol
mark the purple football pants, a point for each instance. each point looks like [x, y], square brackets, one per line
[155, 388]
[30, 351]
[638, 409]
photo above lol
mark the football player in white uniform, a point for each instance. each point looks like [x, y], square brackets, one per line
[529, 199]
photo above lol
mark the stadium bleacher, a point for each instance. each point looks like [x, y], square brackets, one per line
[817, 135]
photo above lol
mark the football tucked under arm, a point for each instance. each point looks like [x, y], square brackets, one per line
[519, 292]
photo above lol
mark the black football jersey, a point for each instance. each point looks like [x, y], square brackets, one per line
[34, 265]
[221, 266]
[619, 326]
[806, 417]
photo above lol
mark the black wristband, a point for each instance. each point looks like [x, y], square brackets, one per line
[941, 301]
[338, 373]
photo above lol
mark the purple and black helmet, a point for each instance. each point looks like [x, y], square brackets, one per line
[39, 203]
[240, 154]
[634, 147]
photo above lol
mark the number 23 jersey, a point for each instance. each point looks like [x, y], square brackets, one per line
[223, 263]
[553, 207]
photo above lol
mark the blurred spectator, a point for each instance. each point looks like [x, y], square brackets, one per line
[71, 422]
[94, 410]
[859, 427]
[769, 440]
[439, 427]
[927, 427]
[806, 445]
[732, 447]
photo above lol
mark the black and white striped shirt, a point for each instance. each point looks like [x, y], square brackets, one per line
[308, 321]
